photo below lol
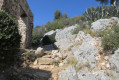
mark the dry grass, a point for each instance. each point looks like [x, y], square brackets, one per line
[89, 31]
[79, 67]
[69, 49]
[70, 61]
[78, 43]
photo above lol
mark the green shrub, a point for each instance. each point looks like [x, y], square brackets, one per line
[64, 22]
[56, 62]
[110, 40]
[54, 25]
[38, 33]
[9, 39]
[76, 30]
[52, 38]
[57, 14]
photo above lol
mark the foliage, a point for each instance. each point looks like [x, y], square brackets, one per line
[52, 38]
[38, 33]
[62, 23]
[57, 14]
[56, 62]
[110, 39]
[54, 25]
[93, 14]
[107, 1]
[76, 30]
[82, 27]
[31, 56]
[64, 15]
[9, 39]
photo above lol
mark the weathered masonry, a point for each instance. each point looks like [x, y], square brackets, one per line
[20, 10]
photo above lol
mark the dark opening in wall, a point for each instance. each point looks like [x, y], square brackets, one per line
[23, 15]
[47, 40]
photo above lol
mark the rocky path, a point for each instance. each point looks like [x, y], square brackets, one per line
[46, 63]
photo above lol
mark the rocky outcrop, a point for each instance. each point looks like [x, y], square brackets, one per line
[79, 55]
[103, 24]
[20, 10]
[87, 62]
[65, 38]
[114, 61]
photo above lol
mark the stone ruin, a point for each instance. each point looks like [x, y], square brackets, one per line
[20, 10]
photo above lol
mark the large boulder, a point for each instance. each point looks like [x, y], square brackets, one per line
[114, 61]
[39, 51]
[85, 55]
[103, 24]
[65, 38]
[51, 33]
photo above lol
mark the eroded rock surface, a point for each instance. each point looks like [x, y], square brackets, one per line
[103, 24]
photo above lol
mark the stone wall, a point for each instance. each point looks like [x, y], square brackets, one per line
[20, 10]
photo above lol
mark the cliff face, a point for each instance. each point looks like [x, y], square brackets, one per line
[20, 10]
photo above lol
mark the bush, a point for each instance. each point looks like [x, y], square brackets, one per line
[76, 30]
[57, 15]
[52, 38]
[53, 25]
[110, 39]
[56, 62]
[9, 39]
[64, 22]
[38, 33]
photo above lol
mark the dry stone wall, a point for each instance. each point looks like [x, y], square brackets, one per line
[20, 10]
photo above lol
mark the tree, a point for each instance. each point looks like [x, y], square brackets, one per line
[64, 16]
[9, 40]
[57, 14]
[108, 1]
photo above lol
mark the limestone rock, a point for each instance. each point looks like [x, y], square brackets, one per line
[103, 24]
[65, 38]
[68, 74]
[39, 51]
[51, 33]
[44, 61]
[114, 60]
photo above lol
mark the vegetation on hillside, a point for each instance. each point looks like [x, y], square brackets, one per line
[101, 12]
[9, 40]
[110, 39]
[60, 22]
[38, 33]
[108, 1]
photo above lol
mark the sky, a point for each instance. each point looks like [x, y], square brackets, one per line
[43, 10]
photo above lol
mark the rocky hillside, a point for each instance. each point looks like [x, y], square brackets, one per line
[68, 56]
[79, 56]
[85, 61]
